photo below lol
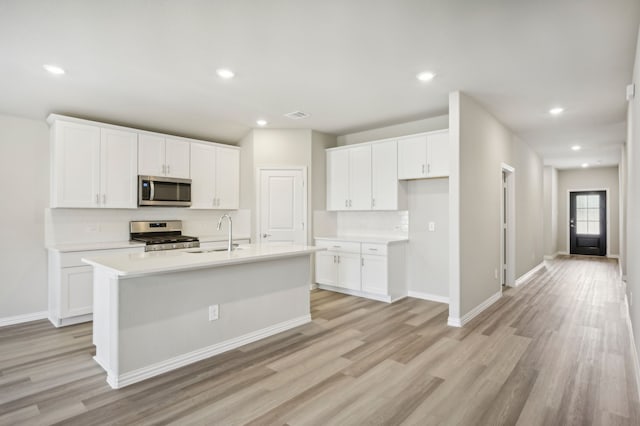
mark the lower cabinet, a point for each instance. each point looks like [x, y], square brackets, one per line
[71, 285]
[369, 270]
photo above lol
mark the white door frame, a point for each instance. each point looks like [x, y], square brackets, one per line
[259, 171]
[511, 226]
[568, 216]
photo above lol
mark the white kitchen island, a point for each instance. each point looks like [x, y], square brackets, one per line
[152, 310]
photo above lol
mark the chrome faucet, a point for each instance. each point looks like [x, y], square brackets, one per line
[230, 244]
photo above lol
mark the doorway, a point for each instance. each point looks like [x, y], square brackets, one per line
[282, 205]
[588, 222]
[507, 226]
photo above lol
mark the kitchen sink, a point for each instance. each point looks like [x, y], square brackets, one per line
[235, 247]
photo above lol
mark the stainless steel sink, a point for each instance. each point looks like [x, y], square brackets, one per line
[235, 247]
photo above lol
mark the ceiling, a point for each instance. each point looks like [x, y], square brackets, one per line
[350, 64]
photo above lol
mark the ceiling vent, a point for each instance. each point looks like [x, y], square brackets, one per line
[296, 115]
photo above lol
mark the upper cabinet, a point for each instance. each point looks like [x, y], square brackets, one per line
[384, 177]
[163, 156]
[215, 177]
[349, 178]
[424, 156]
[92, 166]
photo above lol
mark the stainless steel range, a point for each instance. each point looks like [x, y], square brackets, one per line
[161, 235]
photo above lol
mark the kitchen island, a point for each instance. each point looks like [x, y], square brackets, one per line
[158, 311]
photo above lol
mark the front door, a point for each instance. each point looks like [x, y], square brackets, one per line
[588, 222]
[282, 206]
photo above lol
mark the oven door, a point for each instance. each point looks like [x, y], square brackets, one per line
[162, 191]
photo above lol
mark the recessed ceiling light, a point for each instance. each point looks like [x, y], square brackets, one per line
[53, 69]
[425, 76]
[556, 110]
[585, 165]
[261, 122]
[576, 147]
[225, 73]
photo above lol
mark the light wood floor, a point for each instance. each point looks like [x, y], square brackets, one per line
[553, 352]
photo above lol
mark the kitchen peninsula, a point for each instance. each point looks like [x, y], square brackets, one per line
[158, 311]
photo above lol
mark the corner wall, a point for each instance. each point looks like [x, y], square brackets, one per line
[550, 211]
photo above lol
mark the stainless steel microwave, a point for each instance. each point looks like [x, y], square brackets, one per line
[164, 191]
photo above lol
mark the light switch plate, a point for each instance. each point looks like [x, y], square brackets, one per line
[214, 312]
[432, 226]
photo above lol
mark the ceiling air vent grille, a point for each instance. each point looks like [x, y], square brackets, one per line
[296, 115]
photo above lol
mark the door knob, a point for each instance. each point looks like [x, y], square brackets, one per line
[266, 235]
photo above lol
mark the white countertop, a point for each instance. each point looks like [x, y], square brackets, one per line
[364, 239]
[89, 246]
[150, 263]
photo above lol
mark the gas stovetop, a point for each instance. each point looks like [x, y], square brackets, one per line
[161, 235]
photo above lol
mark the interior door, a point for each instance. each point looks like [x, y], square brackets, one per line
[282, 206]
[588, 222]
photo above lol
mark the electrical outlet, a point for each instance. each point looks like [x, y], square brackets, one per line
[214, 312]
[432, 226]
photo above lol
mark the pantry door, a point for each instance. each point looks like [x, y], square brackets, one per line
[282, 206]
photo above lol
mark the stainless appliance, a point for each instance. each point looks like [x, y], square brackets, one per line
[161, 235]
[164, 191]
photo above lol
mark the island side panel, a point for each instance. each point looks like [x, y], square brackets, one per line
[165, 316]
[105, 318]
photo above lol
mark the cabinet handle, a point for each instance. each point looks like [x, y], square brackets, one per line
[429, 168]
[164, 169]
[334, 259]
[338, 259]
[104, 198]
[168, 169]
[373, 249]
[373, 202]
[346, 203]
[423, 169]
[349, 203]
[362, 261]
[336, 246]
[97, 198]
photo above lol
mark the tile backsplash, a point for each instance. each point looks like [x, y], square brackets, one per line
[380, 224]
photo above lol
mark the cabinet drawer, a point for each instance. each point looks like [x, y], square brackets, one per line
[379, 249]
[74, 258]
[342, 246]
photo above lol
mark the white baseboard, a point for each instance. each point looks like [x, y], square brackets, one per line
[613, 256]
[378, 297]
[527, 275]
[563, 253]
[313, 286]
[63, 322]
[428, 296]
[19, 319]
[131, 377]
[551, 256]
[460, 322]
[634, 350]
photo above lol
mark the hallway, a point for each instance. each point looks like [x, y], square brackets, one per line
[554, 351]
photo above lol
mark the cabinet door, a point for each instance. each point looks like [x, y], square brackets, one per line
[76, 165]
[438, 154]
[76, 291]
[360, 178]
[227, 178]
[177, 158]
[349, 271]
[384, 176]
[412, 157]
[118, 169]
[374, 274]
[337, 179]
[151, 155]
[326, 268]
[203, 184]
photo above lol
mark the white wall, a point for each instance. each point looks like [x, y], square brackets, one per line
[24, 170]
[585, 179]
[412, 127]
[550, 211]
[633, 205]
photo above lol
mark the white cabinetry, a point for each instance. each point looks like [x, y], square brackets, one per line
[349, 178]
[215, 175]
[424, 156]
[92, 166]
[384, 176]
[369, 270]
[71, 285]
[163, 156]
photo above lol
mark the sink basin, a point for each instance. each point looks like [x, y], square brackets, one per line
[235, 247]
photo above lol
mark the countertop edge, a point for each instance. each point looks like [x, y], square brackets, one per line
[363, 239]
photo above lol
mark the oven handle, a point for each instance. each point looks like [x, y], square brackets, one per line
[153, 190]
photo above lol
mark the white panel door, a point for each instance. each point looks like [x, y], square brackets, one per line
[374, 274]
[412, 157]
[77, 165]
[151, 155]
[203, 184]
[282, 207]
[360, 178]
[118, 169]
[438, 154]
[384, 179]
[349, 271]
[338, 179]
[177, 158]
[227, 176]
[76, 291]
[326, 268]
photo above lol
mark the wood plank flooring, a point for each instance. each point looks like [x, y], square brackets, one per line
[553, 352]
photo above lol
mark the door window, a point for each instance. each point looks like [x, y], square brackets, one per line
[588, 214]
